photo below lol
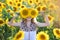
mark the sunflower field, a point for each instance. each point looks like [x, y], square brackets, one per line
[9, 8]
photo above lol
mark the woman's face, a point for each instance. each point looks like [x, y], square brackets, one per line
[28, 18]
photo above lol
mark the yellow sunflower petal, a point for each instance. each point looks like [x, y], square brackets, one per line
[10, 2]
[30, 2]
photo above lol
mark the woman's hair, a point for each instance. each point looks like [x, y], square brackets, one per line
[25, 20]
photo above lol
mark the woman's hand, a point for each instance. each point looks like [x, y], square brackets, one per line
[16, 15]
[9, 23]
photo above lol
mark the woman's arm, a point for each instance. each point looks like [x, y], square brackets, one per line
[14, 24]
[43, 24]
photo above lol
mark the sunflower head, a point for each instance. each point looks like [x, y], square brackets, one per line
[22, 7]
[24, 13]
[43, 8]
[51, 18]
[0, 4]
[38, 8]
[56, 32]
[1, 21]
[52, 6]
[30, 2]
[15, 9]
[3, 5]
[10, 2]
[33, 13]
[19, 35]
[42, 36]
[36, 2]
[18, 5]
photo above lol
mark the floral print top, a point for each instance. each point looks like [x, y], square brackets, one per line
[24, 27]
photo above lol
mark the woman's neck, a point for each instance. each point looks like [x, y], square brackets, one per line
[28, 23]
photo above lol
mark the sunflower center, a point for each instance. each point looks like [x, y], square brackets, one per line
[0, 4]
[22, 6]
[42, 37]
[4, 5]
[8, 10]
[44, 8]
[1, 22]
[30, 1]
[51, 6]
[49, 18]
[14, 8]
[10, 2]
[36, 0]
[25, 12]
[38, 8]
[18, 4]
[33, 12]
[19, 0]
[58, 32]
[19, 36]
[16, 1]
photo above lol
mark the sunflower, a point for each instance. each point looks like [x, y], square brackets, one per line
[10, 2]
[42, 36]
[3, 5]
[1, 22]
[37, 2]
[18, 5]
[43, 8]
[16, 1]
[38, 8]
[15, 9]
[19, 35]
[8, 10]
[33, 13]
[22, 7]
[51, 18]
[30, 2]
[52, 6]
[12, 13]
[0, 4]
[24, 13]
[56, 32]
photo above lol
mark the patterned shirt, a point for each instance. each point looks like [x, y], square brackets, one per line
[24, 27]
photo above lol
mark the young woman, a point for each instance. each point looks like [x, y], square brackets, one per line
[29, 25]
